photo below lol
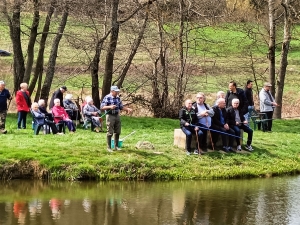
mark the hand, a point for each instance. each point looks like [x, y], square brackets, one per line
[245, 122]
[237, 123]
[129, 110]
[226, 126]
[196, 128]
[186, 124]
[113, 106]
[274, 104]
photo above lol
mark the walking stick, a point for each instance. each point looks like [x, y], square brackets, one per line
[212, 144]
[199, 153]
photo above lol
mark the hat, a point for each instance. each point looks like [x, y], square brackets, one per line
[267, 84]
[114, 88]
[64, 87]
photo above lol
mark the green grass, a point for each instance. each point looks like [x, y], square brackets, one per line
[84, 156]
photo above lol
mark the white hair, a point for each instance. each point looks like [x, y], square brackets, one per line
[56, 100]
[219, 100]
[41, 101]
[2, 82]
[235, 100]
[219, 93]
[34, 104]
[69, 96]
[88, 99]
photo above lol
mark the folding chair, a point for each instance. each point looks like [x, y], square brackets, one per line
[37, 124]
[61, 126]
[259, 119]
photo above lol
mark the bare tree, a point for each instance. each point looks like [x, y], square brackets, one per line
[53, 55]
[272, 44]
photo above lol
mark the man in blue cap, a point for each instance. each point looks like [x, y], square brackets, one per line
[112, 105]
[4, 96]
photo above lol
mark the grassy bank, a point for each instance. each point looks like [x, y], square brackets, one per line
[83, 155]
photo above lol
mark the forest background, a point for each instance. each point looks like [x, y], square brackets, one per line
[159, 52]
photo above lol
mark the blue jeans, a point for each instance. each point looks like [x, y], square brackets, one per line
[189, 131]
[22, 119]
[246, 129]
[248, 114]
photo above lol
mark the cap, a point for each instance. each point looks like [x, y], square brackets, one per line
[267, 84]
[64, 87]
[114, 88]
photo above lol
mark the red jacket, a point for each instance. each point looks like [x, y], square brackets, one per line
[21, 102]
[59, 113]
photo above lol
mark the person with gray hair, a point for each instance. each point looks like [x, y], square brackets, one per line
[23, 104]
[4, 96]
[92, 113]
[71, 107]
[237, 121]
[61, 116]
[220, 94]
[267, 105]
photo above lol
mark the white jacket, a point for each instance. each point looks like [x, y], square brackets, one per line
[264, 101]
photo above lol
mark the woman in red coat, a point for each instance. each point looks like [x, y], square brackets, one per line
[60, 115]
[23, 104]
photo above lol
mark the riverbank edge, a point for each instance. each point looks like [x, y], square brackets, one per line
[32, 170]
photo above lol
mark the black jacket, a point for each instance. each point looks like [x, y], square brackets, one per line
[216, 118]
[249, 96]
[186, 116]
[240, 94]
[57, 94]
[231, 116]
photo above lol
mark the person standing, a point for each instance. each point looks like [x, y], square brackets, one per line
[4, 96]
[59, 93]
[188, 119]
[249, 96]
[238, 93]
[237, 121]
[267, 104]
[204, 113]
[23, 104]
[112, 105]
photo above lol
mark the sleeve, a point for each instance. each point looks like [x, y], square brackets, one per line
[18, 98]
[86, 110]
[181, 118]
[38, 114]
[245, 102]
[210, 111]
[263, 98]
[104, 102]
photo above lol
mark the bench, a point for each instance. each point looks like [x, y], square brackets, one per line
[180, 137]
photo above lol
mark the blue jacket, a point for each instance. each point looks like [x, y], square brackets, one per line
[4, 96]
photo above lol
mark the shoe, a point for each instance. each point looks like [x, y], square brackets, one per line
[225, 149]
[239, 148]
[187, 153]
[109, 150]
[60, 133]
[4, 131]
[249, 148]
[118, 149]
[97, 130]
[196, 152]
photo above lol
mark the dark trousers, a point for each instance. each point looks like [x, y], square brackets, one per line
[22, 119]
[248, 130]
[268, 124]
[189, 131]
[224, 133]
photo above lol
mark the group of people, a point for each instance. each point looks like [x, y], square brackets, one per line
[229, 115]
[64, 111]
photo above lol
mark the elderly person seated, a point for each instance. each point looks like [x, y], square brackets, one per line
[42, 108]
[61, 116]
[41, 119]
[92, 113]
[71, 108]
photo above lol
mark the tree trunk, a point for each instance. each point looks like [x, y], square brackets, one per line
[272, 43]
[53, 55]
[31, 43]
[15, 36]
[134, 49]
[37, 76]
[284, 56]
[109, 63]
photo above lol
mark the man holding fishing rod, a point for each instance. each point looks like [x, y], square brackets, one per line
[4, 96]
[112, 105]
[237, 121]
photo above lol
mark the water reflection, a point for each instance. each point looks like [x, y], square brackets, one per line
[257, 201]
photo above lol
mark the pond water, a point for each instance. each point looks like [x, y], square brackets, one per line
[254, 201]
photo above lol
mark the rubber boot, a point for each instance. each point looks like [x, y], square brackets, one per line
[108, 139]
[116, 139]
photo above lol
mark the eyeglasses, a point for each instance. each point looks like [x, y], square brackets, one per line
[199, 97]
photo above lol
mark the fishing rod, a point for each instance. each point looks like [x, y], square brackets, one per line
[217, 131]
